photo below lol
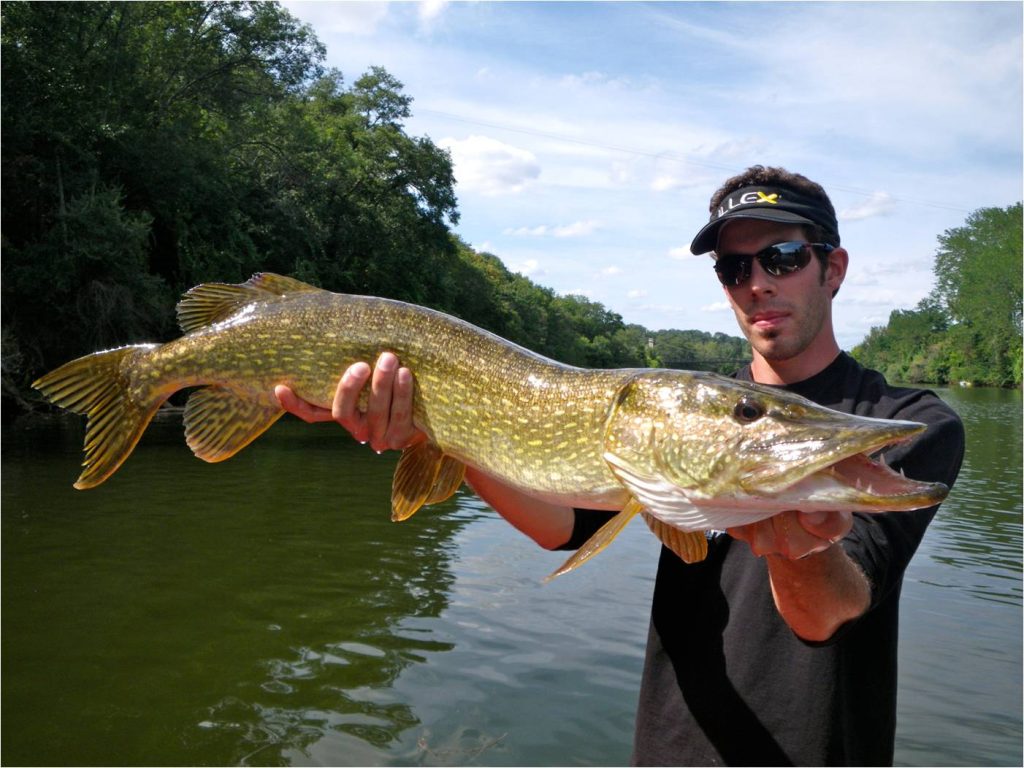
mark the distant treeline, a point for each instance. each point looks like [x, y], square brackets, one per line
[968, 330]
[149, 147]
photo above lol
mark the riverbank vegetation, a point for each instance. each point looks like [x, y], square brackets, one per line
[968, 330]
[149, 147]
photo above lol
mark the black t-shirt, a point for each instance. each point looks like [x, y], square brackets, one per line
[727, 682]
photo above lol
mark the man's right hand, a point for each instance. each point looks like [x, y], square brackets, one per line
[387, 422]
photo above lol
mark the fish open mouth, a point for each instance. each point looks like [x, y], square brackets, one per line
[859, 482]
[873, 477]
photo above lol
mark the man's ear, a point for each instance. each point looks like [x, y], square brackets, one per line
[835, 271]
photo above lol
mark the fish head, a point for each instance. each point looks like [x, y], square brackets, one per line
[680, 438]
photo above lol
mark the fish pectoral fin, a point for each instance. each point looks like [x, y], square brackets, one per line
[210, 303]
[604, 536]
[689, 546]
[220, 422]
[424, 475]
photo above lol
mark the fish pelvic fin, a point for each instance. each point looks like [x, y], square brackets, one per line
[424, 475]
[596, 543]
[220, 422]
[211, 303]
[97, 386]
[689, 546]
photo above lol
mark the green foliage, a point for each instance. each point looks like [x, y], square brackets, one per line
[118, 123]
[698, 350]
[149, 147]
[969, 328]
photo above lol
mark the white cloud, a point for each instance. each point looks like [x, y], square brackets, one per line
[576, 229]
[343, 18]
[620, 172]
[637, 293]
[431, 9]
[611, 271]
[879, 204]
[718, 306]
[537, 231]
[591, 79]
[682, 252]
[666, 183]
[491, 167]
[529, 268]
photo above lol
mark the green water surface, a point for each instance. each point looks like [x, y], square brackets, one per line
[265, 611]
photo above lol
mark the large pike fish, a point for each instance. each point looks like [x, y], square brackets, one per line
[690, 451]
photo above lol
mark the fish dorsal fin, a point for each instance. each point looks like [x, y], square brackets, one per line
[279, 284]
[604, 536]
[424, 475]
[689, 546]
[220, 422]
[210, 303]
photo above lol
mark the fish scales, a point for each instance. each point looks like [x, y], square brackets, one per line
[501, 415]
[690, 451]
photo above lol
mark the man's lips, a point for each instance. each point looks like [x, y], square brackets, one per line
[768, 319]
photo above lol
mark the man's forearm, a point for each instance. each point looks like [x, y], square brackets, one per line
[547, 524]
[819, 593]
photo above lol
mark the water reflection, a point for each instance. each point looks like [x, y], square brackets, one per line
[227, 613]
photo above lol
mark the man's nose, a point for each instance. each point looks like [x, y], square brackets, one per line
[760, 281]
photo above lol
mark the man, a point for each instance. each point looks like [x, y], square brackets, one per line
[781, 650]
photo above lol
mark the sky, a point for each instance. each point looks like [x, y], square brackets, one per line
[588, 137]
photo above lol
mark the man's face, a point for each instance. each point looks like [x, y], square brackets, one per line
[780, 316]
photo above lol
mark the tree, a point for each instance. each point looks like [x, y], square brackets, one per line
[152, 146]
[978, 282]
[969, 327]
[118, 123]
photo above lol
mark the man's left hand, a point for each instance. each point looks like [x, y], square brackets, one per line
[795, 535]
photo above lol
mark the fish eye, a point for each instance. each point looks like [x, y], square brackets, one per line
[748, 410]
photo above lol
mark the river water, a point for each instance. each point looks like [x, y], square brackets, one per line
[265, 611]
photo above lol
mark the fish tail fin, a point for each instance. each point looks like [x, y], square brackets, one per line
[97, 386]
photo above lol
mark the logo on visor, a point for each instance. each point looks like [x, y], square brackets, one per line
[748, 198]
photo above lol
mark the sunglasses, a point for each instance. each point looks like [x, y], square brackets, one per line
[777, 260]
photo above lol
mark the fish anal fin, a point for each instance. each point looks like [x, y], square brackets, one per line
[604, 536]
[689, 546]
[220, 422]
[211, 303]
[424, 475]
